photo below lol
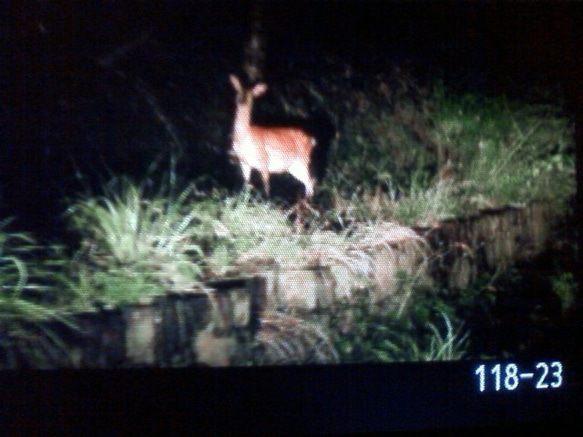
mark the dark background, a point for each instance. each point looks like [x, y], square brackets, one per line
[81, 81]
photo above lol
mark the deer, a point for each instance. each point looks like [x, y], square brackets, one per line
[268, 149]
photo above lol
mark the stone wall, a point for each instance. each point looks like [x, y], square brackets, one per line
[267, 316]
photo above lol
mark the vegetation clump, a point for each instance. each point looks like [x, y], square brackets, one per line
[403, 155]
[418, 155]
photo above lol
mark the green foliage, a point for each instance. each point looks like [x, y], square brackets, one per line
[565, 287]
[424, 206]
[446, 324]
[377, 143]
[230, 226]
[407, 154]
[508, 152]
[24, 307]
[17, 267]
[136, 245]
[111, 288]
[428, 334]
[129, 228]
[13, 272]
[448, 346]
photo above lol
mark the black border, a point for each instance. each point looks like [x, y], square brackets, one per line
[292, 400]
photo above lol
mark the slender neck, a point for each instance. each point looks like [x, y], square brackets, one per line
[242, 118]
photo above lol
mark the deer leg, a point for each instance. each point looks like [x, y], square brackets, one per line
[302, 174]
[265, 179]
[246, 174]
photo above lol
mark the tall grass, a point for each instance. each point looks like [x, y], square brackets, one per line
[508, 152]
[392, 338]
[27, 303]
[417, 155]
[134, 245]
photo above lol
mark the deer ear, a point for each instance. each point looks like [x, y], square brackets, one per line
[259, 89]
[235, 82]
